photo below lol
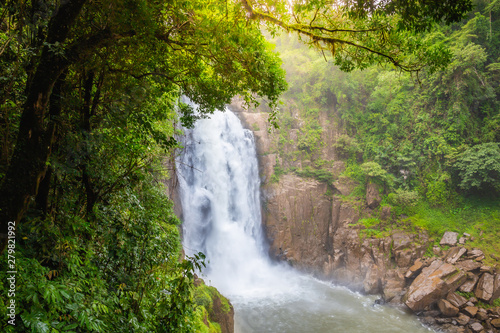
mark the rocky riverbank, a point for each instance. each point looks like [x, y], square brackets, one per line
[455, 291]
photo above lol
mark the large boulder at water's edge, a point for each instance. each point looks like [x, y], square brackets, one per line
[432, 284]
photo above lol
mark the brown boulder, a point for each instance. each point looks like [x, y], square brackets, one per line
[486, 269]
[456, 280]
[454, 254]
[443, 271]
[371, 284]
[400, 240]
[431, 313]
[476, 327]
[428, 320]
[447, 309]
[373, 196]
[442, 321]
[463, 319]
[496, 288]
[366, 261]
[482, 314]
[404, 258]
[449, 238]
[484, 288]
[456, 299]
[469, 265]
[394, 285]
[495, 311]
[496, 323]
[475, 253]
[414, 269]
[469, 285]
[429, 286]
[471, 310]
[450, 328]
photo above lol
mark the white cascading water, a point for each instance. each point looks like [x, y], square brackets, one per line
[220, 195]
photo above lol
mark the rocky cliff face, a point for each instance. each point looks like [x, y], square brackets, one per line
[312, 225]
[298, 218]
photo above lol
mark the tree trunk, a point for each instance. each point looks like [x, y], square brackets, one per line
[34, 140]
[42, 197]
[55, 107]
[85, 128]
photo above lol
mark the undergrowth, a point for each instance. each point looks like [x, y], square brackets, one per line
[479, 217]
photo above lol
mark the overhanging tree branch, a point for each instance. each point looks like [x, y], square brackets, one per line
[327, 36]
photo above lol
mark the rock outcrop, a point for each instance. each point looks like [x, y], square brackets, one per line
[449, 238]
[484, 288]
[218, 309]
[432, 285]
[298, 217]
[372, 196]
[222, 312]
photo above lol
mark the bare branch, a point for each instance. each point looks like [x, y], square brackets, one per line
[314, 27]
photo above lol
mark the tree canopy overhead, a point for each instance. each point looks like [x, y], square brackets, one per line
[359, 33]
[210, 50]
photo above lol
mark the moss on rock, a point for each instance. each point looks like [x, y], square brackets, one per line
[218, 313]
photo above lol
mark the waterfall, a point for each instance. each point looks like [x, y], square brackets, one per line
[220, 195]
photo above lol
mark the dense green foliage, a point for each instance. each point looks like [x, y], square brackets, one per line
[90, 103]
[431, 140]
[479, 167]
[212, 302]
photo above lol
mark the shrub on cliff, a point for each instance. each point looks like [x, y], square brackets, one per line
[405, 201]
[478, 168]
[347, 147]
[374, 172]
[439, 190]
